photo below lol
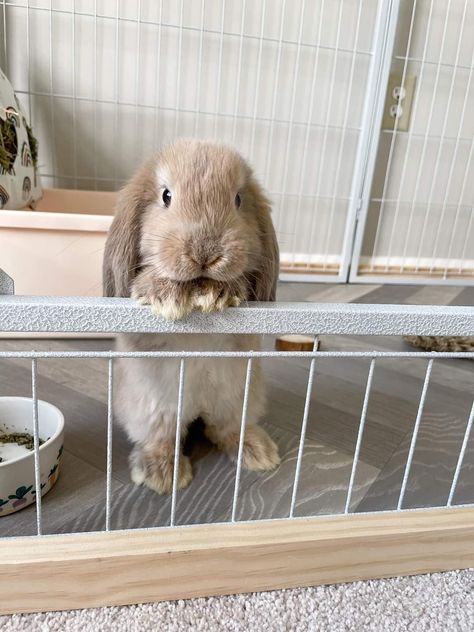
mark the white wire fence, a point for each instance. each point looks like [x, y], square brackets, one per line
[299, 88]
[419, 216]
[105, 83]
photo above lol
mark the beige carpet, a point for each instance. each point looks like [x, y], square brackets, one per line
[441, 602]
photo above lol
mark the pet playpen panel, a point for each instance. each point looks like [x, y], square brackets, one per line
[138, 565]
[98, 568]
[107, 82]
[300, 90]
[417, 220]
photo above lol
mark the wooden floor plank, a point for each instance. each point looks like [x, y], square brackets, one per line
[465, 297]
[389, 294]
[435, 295]
[342, 293]
[324, 477]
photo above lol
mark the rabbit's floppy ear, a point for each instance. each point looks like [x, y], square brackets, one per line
[122, 249]
[263, 283]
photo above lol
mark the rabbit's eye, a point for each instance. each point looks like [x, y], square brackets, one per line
[166, 197]
[237, 200]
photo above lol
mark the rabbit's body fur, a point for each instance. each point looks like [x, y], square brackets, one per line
[213, 391]
[160, 256]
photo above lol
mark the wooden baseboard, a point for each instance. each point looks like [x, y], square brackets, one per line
[88, 570]
[412, 271]
[301, 267]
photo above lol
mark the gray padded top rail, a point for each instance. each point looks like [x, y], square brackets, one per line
[117, 315]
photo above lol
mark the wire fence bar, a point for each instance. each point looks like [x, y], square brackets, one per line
[138, 63]
[432, 62]
[114, 315]
[74, 102]
[177, 443]
[257, 79]
[28, 60]
[239, 71]
[462, 454]
[199, 66]
[108, 492]
[5, 43]
[116, 88]
[159, 37]
[304, 424]
[271, 130]
[243, 426]
[51, 86]
[183, 110]
[179, 66]
[394, 135]
[219, 66]
[360, 435]
[36, 439]
[414, 437]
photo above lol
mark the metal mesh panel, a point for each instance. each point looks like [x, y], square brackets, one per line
[419, 223]
[106, 83]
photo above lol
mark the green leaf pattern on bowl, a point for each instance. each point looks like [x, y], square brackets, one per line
[20, 495]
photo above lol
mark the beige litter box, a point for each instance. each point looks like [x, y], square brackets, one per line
[57, 249]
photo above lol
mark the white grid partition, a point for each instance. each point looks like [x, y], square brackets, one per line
[299, 88]
[123, 315]
[418, 216]
[106, 82]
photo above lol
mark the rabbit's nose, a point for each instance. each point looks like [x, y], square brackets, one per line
[206, 261]
[212, 261]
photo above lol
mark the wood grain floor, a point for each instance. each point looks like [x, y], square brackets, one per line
[78, 387]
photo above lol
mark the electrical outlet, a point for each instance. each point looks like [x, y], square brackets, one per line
[399, 102]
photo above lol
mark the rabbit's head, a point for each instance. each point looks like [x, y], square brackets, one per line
[194, 210]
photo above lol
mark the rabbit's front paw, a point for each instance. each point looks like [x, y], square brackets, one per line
[168, 299]
[215, 296]
[170, 309]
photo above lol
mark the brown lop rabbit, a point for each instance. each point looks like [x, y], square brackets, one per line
[192, 231]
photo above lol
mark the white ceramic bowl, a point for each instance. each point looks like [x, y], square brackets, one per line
[17, 474]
